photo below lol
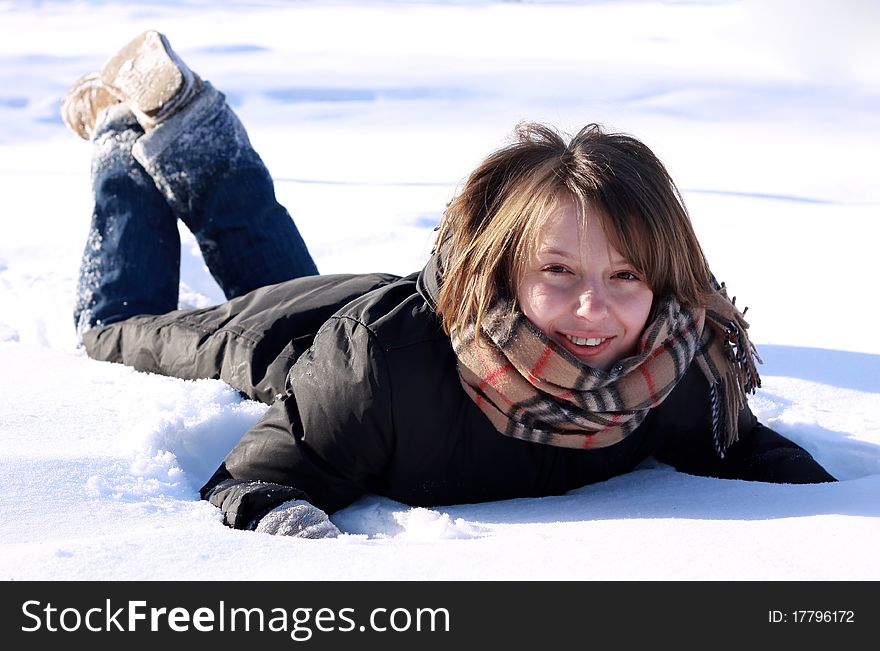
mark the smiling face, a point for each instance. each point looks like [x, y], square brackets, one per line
[579, 291]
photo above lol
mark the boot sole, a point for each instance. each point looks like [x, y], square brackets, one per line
[145, 73]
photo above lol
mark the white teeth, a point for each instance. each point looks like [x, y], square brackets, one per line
[585, 341]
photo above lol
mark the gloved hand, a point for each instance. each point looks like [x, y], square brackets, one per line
[299, 519]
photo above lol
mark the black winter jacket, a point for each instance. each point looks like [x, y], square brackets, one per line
[365, 398]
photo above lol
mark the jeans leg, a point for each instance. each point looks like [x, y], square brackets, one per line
[203, 161]
[131, 262]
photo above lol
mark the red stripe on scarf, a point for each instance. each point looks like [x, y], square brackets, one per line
[539, 365]
[649, 381]
[491, 379]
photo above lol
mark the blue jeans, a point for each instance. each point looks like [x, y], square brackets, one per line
[198, 167]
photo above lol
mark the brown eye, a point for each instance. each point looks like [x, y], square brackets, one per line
[555, 269]
[626, 275]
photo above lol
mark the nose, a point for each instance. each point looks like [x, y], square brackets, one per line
[592, 302]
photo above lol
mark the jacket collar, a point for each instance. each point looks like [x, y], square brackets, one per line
[429, 280]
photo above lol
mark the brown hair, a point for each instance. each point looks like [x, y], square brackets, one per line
[489, 228]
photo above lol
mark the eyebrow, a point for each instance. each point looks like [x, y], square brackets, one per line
[552, 251]
[555, 252]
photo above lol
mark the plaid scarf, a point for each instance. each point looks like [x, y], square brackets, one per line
[532, 389]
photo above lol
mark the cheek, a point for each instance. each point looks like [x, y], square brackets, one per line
[537, 303]
[636, 309]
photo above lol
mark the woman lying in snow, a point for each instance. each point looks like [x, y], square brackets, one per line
[566, 327]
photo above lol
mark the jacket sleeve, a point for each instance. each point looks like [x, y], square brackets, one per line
[249, 342]
[760, 454]
[326, 440]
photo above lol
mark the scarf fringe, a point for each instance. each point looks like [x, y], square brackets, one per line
[739, 376]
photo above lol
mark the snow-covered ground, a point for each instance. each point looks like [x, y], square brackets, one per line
[369, 115]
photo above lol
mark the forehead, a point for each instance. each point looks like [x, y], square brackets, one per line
[560, 226]
[568, 228]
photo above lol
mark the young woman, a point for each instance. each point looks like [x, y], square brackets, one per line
[566, 328]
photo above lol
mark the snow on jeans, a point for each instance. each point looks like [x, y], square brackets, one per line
[198, 167]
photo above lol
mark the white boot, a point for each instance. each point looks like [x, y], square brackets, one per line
[149, 76]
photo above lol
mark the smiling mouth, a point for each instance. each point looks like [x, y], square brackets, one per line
[586, 341]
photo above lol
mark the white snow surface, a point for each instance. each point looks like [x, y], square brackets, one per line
[369, 115]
